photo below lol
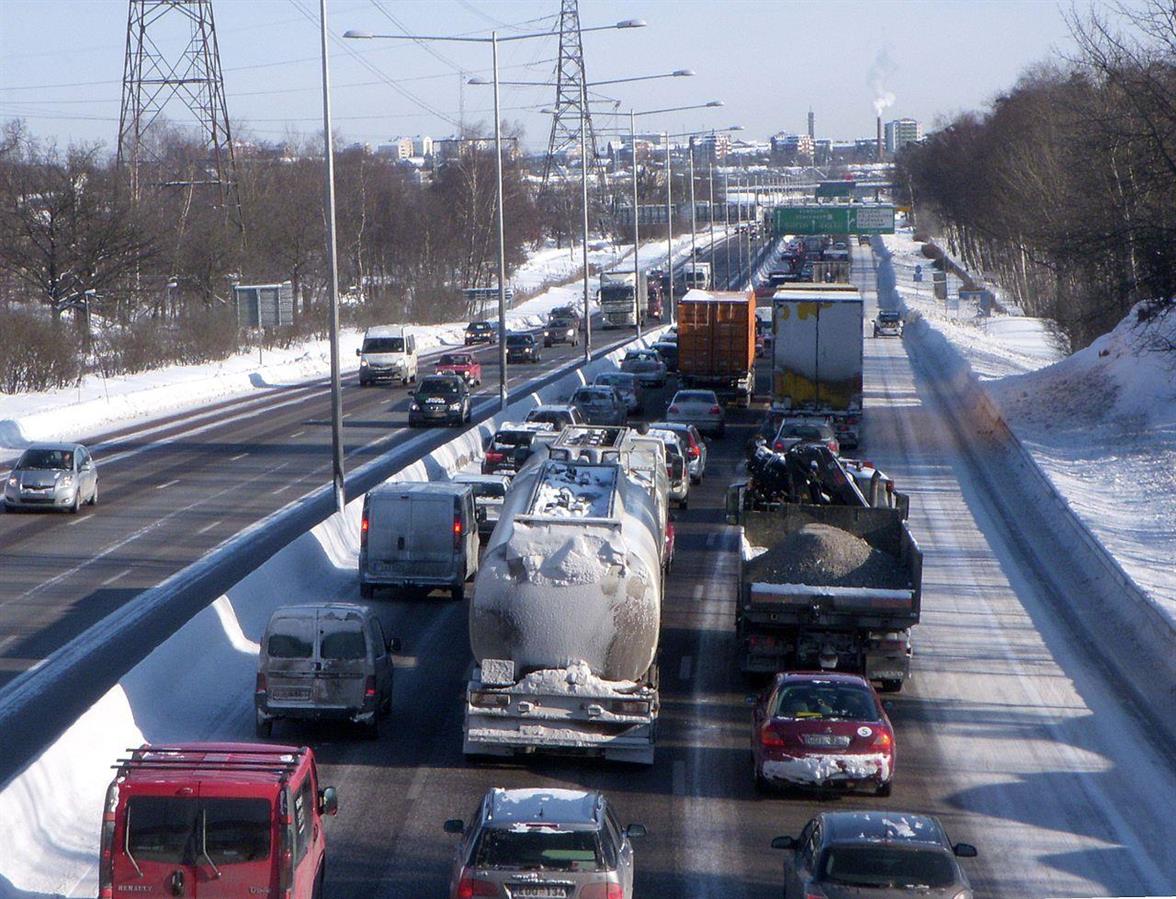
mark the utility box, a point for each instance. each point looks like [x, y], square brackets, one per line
[264, 305]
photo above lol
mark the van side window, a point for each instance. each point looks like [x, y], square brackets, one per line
[303, 814]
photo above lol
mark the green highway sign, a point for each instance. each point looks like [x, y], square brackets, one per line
[833, 219]
[829, 189]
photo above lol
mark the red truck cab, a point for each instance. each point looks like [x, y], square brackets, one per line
[462, 364]
[215, 820]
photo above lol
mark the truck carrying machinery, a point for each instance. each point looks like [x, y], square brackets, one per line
[617, 306]
[565, 620]
[831, 577]
[817, 345]
[716, 343]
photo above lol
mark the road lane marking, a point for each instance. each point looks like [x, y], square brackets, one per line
[684, 668]
[116, 577]
[238, 456]
[418, 784]
[297, 434]
[76, 520]
[679, 778]
[168, 484]
[281, 490]
[209, 527]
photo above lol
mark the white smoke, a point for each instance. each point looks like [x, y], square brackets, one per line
[881, 71]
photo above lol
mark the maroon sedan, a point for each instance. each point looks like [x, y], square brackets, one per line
[822, 730]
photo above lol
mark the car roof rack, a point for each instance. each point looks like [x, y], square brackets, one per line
[276, 759]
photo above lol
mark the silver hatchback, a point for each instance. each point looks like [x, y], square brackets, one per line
[543, 842]
[52, 476]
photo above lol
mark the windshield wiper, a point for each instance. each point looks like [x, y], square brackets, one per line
[204, 845]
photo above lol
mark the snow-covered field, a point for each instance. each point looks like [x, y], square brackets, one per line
[97, 405]
[1100, 423]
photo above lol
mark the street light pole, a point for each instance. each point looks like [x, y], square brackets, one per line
[669, 232]
[333, 279]
[710, 174]
[636, 242]
[501, 233]
[727, 224]
[693, 208]
[584, 204]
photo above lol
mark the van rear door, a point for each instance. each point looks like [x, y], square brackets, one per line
[342, 659]
[432, 535]
[290, 661]
[411, 535]
[234, 848]
[152, 849]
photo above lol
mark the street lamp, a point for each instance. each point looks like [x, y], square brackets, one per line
[493, 40]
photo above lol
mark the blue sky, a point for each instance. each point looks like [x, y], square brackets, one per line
[61, 62]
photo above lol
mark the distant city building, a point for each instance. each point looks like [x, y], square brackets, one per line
[901, 132]
[711, 148]
[812, 126]
[791, 149]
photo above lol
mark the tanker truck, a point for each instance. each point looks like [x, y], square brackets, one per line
[565, 618]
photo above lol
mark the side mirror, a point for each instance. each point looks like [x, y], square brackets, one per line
[635, 831]
[358, 352]
[455, 825]
[751, 699]
[964, 850]
[784, 842]
[328, 801]
[393, 644]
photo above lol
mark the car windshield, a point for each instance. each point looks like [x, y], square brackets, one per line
[180, 830]
[592, 397]
[478, 326]
[439, 387]
[825, 701]
[50, 459]
[519, 340]
[802, 432]
[383, 345]
[483, 490]
[888, 316]
[453, 359]
[540, 847]
[552, 418]
[886, 866]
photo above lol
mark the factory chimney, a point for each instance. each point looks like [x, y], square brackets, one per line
[880, 159]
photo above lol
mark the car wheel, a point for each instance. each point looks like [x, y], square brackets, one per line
[404, 381]
[77, 503]
[762, 787]
[367, 591]
[696, 479]
[317, 891]
[372, 731]
[458, 593]
[264, 727]
[682, 503]
[94, 495]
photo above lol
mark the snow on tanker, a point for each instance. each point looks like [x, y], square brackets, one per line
[565, 619]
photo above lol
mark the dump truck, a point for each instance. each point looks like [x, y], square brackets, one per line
[833, 582]
[817, 344]
[565, 620]
[716, 343]
[617, 306]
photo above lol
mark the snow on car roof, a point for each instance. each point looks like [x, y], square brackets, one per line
[543, 805]
[574, 490]
[887, 826]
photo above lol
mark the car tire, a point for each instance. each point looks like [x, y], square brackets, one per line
[77, 503]
[264, 728]
[94, 495]
[683, 503]
[696, 479]
[762, 787]
[885, 789]
[372, 731]
[317, 891]
[458, 593]
[367, 591]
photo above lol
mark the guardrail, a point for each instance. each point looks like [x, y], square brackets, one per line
[41, 703]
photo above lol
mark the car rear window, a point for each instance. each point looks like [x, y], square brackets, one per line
[514, 438]
[289, 646]
[559, 419]
[834, 701]
[694, 396]
[488, 491]
[886, 866]
[179, 830]
[450, 359]
[343, 645]
[802, 432]
[539, 848]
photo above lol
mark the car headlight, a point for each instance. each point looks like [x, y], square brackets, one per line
[13, 481]
[414, 408]
[66, 480]
[455, 407]
[363, 363]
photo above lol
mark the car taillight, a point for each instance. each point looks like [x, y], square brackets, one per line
[883, 740]
[369, 687]
[363, 532]
[602, 891]
[286, 861]
[106, 852]
[778, 446]
[769, 737]
[715, 410]
[456, 531]
[261, 686]
[468, 887]
[694, 451]
[673, 409]
[494, 456]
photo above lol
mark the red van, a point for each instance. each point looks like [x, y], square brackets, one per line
[216, 820]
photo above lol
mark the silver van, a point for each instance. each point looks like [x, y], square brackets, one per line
[388, 354]
[418, 534]
[324, 662]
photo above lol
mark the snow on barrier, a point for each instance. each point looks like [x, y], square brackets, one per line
[178, 662]
[1087, 587]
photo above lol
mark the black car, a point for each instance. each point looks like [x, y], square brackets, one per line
[561, 329]
[440, 399]
[511, 446]
[480, 332]
[669, 354]
[522, 348]
[840, 855]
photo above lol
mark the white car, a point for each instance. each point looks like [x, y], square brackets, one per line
[700, 408]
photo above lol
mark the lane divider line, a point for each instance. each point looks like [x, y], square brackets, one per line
[168, 484]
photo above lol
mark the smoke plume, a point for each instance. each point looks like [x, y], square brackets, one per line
[881, 72]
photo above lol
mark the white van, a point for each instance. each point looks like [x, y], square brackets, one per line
[418, 534]
[388, 353]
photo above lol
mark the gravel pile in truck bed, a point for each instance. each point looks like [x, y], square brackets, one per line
[827, 556]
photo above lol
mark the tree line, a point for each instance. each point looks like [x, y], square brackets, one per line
[97, 275]
[1064, 190]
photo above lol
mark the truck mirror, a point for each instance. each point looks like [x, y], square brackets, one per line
[455, 825]
[328, 801]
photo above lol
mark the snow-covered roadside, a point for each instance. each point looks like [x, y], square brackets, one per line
[98, 405]
[50, 813]
[1100, 424]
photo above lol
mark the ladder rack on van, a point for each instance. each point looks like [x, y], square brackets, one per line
[280, 761]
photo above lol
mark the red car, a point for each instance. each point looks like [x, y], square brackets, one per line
[822, 730]
[669, 547]
[462, 364]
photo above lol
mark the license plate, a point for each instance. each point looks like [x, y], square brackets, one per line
[825, 740]
[539, 891]
[291, 694]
